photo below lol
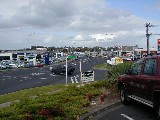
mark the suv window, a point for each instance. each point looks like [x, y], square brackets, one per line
[150, 67]
[137, 67]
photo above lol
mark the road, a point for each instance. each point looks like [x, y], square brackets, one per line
[134, 111]
[24, 78]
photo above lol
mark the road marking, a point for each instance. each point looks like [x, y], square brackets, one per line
[72, 80]
[37, 74]
[25, 77]
[53, 75]
[75, 79]
[129, 118]
[7, 76]
[43, 78]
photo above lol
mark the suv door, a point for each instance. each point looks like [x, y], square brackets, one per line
[148, 78]
[136, 72]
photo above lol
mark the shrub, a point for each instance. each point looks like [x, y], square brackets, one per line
[117, 70]
[68, 103]
[101, 84]
[90, 96]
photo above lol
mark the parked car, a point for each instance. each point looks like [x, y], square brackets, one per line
[20, 64]
[38, 64]
[13, 64]
[28, 64]
[114, 61]
[62, 70]
[142, 83]
[3, 65]
[6, 62]
[88, 73]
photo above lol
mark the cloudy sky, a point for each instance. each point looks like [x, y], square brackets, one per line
[25, 23]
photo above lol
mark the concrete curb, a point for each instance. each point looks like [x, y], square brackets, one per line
[100, 110]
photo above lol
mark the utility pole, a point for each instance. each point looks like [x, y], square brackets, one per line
[148, 35]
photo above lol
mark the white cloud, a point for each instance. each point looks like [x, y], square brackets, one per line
[72, 21]
[48, 39]
[78, 37]
[105, 37]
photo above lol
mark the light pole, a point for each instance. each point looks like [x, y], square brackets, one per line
[148, 35]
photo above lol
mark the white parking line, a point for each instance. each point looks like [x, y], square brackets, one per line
[129, 118]
[37, 74]
[43, 78]
[53, 75]
[25, 77]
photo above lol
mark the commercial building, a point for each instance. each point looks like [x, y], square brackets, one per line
[143, 52]
[19, 56]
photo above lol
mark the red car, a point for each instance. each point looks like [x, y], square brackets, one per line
[39, 65]
[142, 83]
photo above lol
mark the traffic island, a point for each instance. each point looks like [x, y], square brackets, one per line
[98, 105]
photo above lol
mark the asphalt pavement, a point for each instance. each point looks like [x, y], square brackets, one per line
[25, 78]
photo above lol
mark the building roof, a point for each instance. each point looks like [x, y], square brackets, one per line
[151, 49]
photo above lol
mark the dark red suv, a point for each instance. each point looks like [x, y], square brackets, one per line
[142, 83]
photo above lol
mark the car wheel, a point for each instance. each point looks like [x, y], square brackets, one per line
[123, 96]
[157, 110]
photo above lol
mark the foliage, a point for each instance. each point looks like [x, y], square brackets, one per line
[118, 70]
[65, 103]
[99, 66]
[102, 84]
[30, 92]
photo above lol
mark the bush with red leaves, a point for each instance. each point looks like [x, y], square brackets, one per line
[102, 97]
[54, 112]
[67, 100]
[90, 96]
[45, 113]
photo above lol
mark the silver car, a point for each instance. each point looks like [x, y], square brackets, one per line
[3, 65]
